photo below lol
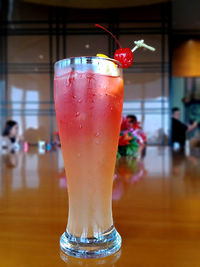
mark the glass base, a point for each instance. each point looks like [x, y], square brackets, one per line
[107, 244]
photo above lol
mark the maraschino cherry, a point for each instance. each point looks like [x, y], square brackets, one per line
[123, 55]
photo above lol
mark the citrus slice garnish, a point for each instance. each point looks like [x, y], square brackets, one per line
[108, 67]
[102, 55]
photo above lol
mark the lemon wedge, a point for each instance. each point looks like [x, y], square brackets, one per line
[102, 55]
[108, 67]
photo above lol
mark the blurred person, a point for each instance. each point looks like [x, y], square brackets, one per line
[179, 129]
[56, 139]
[10, 139]
[131, 121]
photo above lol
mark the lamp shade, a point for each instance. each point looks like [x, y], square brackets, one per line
[186, 59]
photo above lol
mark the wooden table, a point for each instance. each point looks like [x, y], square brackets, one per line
[156, 207]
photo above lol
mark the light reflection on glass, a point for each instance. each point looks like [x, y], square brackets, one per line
[157, 123]
[31, 99]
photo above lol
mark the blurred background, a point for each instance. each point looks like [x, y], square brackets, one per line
[34, 34]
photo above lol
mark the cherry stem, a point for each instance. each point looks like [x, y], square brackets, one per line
[117, 41]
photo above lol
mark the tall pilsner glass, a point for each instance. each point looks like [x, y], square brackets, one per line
[88, 94]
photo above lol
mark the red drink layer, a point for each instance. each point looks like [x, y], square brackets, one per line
[88, 111]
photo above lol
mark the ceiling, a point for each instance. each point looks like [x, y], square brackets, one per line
[96, 3]
[185, 13]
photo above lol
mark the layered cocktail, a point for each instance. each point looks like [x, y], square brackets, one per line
[88, 95]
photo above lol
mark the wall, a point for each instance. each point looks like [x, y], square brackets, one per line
[34, 37]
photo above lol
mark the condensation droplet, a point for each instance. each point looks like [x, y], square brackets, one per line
[77, 114]
[74, 96]
[80, 126]
[80, 100]
[97, 134]
[66, 82]
[111, 108]
[79, 154]
[97, 142]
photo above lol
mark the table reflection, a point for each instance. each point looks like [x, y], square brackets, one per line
[26, 170]
[11, 160]
[182, 168]
[21, 169]
[155, 199]
[181, 164]
[128, 171]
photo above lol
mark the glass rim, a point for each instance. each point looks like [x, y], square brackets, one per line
[59, 62]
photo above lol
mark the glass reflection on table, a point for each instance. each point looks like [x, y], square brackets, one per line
[107, 261]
